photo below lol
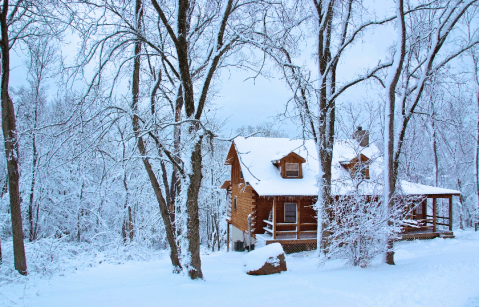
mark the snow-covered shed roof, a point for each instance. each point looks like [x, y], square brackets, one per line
[257, 154]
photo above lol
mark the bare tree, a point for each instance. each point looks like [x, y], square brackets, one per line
[7, 20]
[391, 83]
[42, 55]
[19, 21]
[416, 66]
[337, 25]
[475, 66]
[180, 50]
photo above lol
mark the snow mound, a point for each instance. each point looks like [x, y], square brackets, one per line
[254, 260]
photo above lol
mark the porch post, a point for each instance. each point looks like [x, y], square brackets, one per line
[298, 218]
[227, 236]
[274, 218]
[434, 214]
[450, 213]
[424, 209]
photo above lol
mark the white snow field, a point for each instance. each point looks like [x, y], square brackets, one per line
[439, 272]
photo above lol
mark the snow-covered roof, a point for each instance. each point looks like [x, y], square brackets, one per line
[257, 153]
[255, 156]
[421, 189]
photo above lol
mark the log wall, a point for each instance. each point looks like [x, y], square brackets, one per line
[265, 204]
[245, 198]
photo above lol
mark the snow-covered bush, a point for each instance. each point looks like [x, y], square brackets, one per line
[49, 256]
[359, 226]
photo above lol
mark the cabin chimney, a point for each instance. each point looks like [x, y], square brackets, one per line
[362, 136]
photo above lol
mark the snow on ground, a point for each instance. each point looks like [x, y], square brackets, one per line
[439, 272]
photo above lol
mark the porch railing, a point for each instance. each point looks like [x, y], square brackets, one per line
[297, 229]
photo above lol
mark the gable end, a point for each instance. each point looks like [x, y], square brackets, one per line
[291, 166]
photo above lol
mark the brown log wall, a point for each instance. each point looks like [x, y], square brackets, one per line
[265, 204]
[245, 198]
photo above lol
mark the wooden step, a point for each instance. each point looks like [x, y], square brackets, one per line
[447, 236]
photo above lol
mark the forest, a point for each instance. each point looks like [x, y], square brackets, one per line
[113, 139]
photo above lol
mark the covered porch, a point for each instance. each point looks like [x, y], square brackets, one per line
[293, 221]
[431, 218]
[290, 218]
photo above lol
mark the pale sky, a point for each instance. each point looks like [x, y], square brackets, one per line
[252, 102]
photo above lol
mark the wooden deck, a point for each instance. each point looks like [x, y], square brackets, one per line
[419, 225]
[310, 238]
[427, 234]
[288, 239]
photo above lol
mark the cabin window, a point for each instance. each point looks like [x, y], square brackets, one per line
[241, 174]
[292, 169]
[361, 171]
[234, 203]
[290, 212]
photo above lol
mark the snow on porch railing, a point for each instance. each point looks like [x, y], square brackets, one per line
[274, 232]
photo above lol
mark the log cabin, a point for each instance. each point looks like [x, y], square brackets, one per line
[273, 188]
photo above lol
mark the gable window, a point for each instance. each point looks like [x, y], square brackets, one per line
[241, 174]
[234, 203]
[290, 212]
[292, 169]
[361, 171]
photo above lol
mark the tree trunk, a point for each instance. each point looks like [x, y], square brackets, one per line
[193, 224]
[476, 157]
[80, 212]
[11, 149]
[175, 186]
[142, 149]
[325, 136]
[127, 229]
[390, 175]
[31, 219]
[434, 149]
[461, 205]
[476, 149]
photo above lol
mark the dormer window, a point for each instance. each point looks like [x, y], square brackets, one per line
[290, 165]
[292, 170]
[361, 171]
[357, 167]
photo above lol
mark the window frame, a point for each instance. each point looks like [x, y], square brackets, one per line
[418, 209]
[361, 171]
[295, 212]
[286, 169]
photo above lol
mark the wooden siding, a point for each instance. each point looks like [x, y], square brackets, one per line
[231, 155]
[265, 204]
[351, 166]
[236, 172]
[263, 208]
[245, 203]
[244, 194]
[226, 184]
